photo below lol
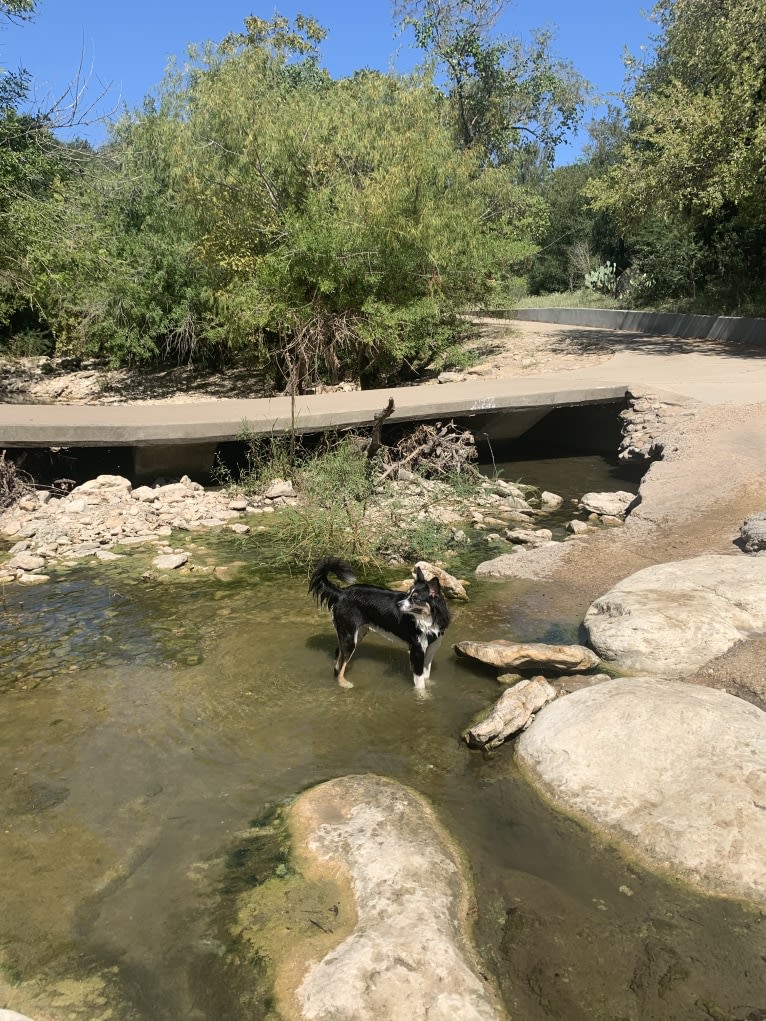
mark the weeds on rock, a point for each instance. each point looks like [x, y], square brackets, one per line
[362, 499]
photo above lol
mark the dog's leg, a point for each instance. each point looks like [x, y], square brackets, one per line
[429, 657]
[417, 662]
[347, 644]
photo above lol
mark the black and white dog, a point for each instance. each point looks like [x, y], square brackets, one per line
[418, 618]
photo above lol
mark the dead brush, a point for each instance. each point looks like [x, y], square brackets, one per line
[434, 450]
[14, 483]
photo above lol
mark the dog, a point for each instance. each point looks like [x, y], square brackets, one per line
[418, 618]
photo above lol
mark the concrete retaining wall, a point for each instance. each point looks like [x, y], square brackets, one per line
[734, 328]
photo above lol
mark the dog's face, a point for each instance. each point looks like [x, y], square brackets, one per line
[418, 600]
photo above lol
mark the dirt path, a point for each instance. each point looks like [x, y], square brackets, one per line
[502, 349]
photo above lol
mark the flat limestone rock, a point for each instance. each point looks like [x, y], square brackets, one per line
[675, 772]
[670, 619]
[529, 656]
[170, 561]
[609, 504]
[510, 714]
[526, 562]
[408, 957]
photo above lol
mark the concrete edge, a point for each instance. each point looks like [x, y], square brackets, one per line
[671, 324]
[222, 420]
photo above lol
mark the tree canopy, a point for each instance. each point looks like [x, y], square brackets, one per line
[697, 115]
[687, 183]
[509, 100]
[257, 207]
[320, 227]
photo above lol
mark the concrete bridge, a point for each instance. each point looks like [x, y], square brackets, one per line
[176, 438]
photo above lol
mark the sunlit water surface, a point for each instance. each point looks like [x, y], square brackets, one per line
[145, 724]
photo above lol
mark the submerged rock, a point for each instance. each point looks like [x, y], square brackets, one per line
[676, 772]
[670, 619]
[408, 957]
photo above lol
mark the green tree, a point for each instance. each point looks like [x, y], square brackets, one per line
[694, 154]
[513, 102]
[35, 167]
[579, 238]
[697, 114]
[344, 224]
[321, 228]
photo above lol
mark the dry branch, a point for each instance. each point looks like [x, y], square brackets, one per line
[433, 449]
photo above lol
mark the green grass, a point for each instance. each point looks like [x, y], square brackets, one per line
[753, 306]
[582, 298]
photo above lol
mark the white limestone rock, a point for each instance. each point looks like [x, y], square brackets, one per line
[609, 504]
[505, 655]
[409, 957]
[671, 619]
[675, 772]
[170, 561]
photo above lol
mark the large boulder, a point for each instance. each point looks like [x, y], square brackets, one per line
[670, 619]
[675, 772]
[408, 957]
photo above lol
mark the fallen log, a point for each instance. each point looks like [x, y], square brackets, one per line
[512, 712]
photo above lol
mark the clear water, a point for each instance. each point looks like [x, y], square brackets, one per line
[145, 725]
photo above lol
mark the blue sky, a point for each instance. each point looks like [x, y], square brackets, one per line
[124, 47]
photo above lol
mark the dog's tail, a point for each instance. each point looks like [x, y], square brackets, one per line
[321, 588]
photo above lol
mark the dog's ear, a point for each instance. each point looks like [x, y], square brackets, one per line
[434, 588]
[419, 576]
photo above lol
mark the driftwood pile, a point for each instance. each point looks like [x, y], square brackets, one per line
[434, 450]
[14, 483]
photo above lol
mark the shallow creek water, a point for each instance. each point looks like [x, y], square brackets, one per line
[144, 726]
